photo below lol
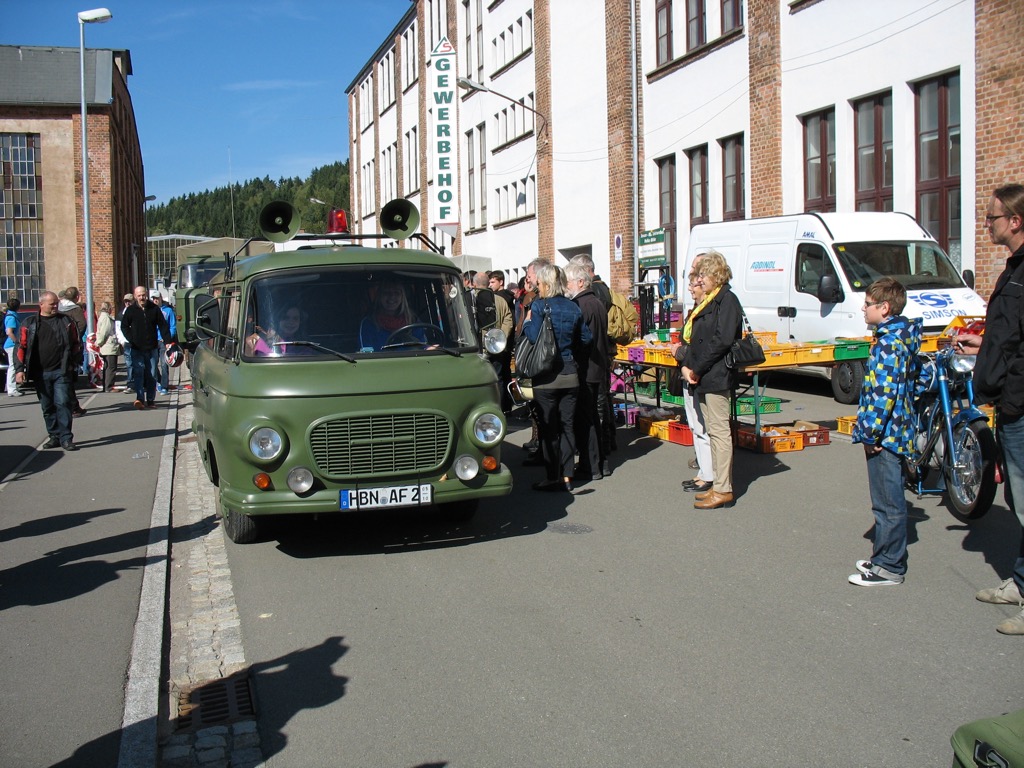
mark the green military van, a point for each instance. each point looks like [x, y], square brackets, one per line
[344, 376]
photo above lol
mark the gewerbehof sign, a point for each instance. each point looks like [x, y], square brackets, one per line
[444, 133]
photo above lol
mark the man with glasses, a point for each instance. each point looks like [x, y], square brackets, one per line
[999, 376]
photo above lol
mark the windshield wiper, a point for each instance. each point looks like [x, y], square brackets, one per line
[418, 343]
[314, 345]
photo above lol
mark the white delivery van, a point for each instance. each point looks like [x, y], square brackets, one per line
[804, 276]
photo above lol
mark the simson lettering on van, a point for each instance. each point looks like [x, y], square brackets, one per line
[804, 276]
[343, 376]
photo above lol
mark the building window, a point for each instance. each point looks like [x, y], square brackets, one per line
[663, 32]
[481, 131]
[696, 27]
[732, 178]
[411, 158]
[388, 172]
[467, 24]
[515, 121]
[437, 27]
[873, 137]
[512, 42]
[410, 56]
[732, 15]
[22, 262]
[820, 161]
[938, 160]
[667, 205]
[367, 203]
[365, 104]
[698, 185]
[387, 80]
[480, 41]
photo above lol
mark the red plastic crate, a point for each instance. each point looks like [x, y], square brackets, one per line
[680, 433]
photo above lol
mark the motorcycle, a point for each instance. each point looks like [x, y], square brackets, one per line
[956, 450]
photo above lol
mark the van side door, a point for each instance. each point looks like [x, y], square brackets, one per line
[810, 318]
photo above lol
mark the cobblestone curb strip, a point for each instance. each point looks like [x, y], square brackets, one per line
[206, 641]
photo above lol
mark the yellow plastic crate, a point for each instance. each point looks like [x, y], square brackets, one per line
[818, 353]
[844, 424]
[661, 429]
[659, 356]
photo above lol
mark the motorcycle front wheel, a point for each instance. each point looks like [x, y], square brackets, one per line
[970, 470]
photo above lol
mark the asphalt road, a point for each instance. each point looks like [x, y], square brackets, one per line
[620, 626]
[74, 536]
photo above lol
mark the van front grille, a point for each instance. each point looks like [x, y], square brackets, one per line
[386, 444]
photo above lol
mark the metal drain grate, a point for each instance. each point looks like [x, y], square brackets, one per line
[219, 701]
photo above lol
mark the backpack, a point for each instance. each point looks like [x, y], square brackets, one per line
[622, 319]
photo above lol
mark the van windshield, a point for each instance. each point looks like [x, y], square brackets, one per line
[915, 264]
[353, 311]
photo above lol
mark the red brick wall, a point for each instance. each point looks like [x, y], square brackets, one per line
[621, 178]
[998, 36]
[542, 91]
[764, 144]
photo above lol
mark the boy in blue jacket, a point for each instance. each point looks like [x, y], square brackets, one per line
[885, 428]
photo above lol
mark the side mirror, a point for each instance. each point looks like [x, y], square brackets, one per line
[829, 290]
[207, 323]
[969, 278]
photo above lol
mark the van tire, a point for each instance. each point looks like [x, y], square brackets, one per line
[847, 379]
[240, 528]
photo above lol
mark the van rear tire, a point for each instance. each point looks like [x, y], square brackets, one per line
[847, 379]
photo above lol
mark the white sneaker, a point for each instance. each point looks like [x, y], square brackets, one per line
[15, 393]
[1005, 594]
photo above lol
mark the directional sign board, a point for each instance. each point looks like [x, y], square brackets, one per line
[652, 248]
[444, 131]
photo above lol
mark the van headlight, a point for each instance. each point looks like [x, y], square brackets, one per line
[266, 444]
[488, 429]
[495, 341]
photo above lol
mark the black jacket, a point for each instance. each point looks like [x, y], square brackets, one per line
[999, 370]
[596, 356]
[139, 326]
[717, 326]
[71, 347]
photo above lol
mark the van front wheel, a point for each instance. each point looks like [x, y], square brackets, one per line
[847, 378]
[241, 529]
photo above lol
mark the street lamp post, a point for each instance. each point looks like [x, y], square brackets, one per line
[473, 85]
[145, 234]
[95, 16]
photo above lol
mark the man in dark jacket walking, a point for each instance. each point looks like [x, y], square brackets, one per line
[594, 375]
[140, 324]
[46, 353]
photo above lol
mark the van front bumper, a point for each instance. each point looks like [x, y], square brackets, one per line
[322, 500]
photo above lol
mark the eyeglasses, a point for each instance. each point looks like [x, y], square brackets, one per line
[872, 303]
[989, 218]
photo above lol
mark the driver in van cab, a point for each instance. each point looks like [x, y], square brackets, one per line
[390, 312]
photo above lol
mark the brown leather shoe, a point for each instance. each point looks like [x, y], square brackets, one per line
[714, 500]
[703, 494]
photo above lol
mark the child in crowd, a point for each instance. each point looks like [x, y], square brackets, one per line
[884, 427]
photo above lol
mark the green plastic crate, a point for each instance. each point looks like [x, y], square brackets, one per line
[673, 399]
[851, 349]
[745, 406]
[645, 389]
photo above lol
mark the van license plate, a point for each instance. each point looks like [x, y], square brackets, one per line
[393, 496]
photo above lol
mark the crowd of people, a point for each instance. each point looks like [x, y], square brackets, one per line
[47, 348]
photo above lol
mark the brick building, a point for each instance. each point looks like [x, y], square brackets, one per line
[592, 127]
[42, 246]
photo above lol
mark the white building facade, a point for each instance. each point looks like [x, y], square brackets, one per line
[586, 124]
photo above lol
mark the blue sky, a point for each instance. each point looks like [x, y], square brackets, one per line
[223, 89]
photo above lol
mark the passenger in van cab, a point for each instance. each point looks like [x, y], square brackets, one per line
[390, 312]
[275, 340]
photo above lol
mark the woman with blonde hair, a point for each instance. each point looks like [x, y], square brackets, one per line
[391, 311]
[109, 346]
[716, 324]
[555, 393]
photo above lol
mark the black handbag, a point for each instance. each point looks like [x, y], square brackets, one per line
[538, 358]
[745, 351]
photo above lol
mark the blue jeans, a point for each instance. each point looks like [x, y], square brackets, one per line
[1010, 435]
[144, 373]
[129, 369]
[889, 506]
[55, 400]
